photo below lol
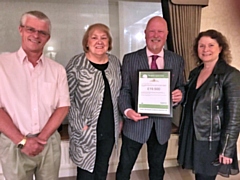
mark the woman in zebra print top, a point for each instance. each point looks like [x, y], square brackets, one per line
[94, 80]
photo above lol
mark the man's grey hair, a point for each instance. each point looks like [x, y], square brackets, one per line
[37, 14]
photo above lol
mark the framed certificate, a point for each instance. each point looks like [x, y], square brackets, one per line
[154, 93]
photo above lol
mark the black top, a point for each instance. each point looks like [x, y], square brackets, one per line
[105, 125]
[185, 152]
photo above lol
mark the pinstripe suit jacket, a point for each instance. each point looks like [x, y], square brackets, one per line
[132, 62]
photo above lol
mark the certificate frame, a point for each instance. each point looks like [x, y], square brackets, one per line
[154, 93]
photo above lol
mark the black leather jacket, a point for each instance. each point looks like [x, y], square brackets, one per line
[216, 108]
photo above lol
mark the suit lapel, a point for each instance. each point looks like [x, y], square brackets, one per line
[143, 61]
[167, 61]
[211, 80]
[205, 86]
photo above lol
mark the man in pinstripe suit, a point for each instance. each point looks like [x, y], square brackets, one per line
[137, 129]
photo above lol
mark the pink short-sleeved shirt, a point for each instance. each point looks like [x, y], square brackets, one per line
[31, 94]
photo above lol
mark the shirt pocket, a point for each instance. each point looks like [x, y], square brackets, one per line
[48, 94]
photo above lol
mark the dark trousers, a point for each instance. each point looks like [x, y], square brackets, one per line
[129, 153]
[104, 151]
[204, 177]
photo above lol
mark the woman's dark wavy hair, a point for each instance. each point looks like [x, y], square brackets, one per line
[225, 54]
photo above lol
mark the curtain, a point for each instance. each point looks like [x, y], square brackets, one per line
[183, 25]
[191, 2]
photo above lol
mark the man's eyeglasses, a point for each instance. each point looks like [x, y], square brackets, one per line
[32, 30]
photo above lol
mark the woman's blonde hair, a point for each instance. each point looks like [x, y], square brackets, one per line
[93, 27]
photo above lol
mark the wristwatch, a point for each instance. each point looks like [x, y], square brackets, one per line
[22, 143]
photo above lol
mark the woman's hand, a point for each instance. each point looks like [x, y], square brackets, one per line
[225, 160]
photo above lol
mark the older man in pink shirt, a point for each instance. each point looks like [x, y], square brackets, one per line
[34, 100]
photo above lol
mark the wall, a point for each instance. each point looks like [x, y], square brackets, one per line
[224, 16]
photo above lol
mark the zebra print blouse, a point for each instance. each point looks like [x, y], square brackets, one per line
[86, 87]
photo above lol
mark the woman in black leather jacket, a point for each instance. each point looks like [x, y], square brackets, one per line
[211, 111]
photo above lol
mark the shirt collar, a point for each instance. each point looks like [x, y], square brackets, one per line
[160, 54]
[22, 56]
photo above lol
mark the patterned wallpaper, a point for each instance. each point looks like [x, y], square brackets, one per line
[224, 16]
